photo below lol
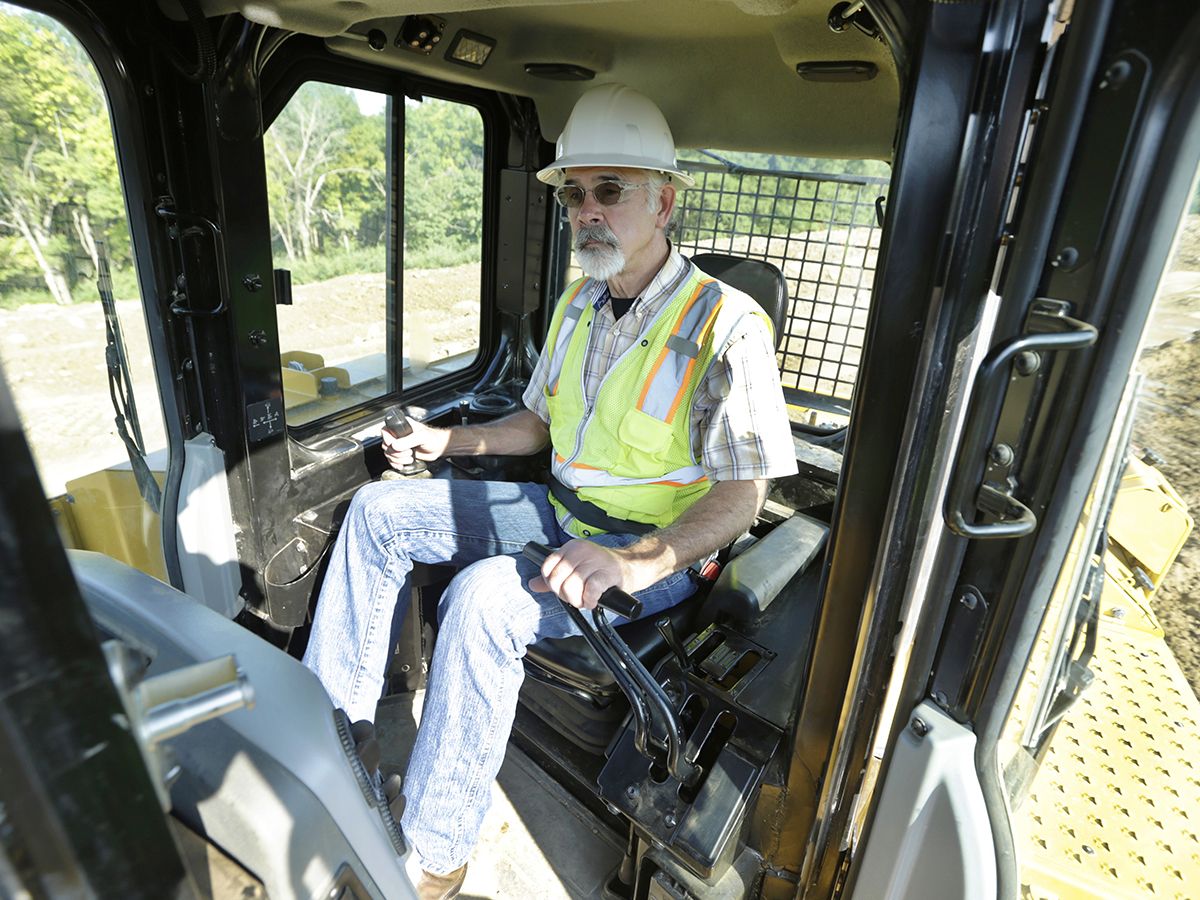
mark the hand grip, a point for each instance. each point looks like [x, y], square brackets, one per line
[396, 422]
[618, 601]
[614, 599]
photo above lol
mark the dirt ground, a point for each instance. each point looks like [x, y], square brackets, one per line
[345, 318]
[53, 359]
[1167, 422]
[53, 356]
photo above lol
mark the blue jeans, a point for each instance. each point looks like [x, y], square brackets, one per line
[488, 616]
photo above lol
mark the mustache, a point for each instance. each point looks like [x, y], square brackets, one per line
[600, 232]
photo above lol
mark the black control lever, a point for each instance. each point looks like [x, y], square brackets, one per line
[396, 422]
[687, 772]
[537, 553]
[631, 676]
[667, 630]
[614, 599]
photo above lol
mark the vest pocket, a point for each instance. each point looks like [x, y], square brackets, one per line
[642, 432]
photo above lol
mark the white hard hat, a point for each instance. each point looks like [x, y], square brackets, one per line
[614, 125]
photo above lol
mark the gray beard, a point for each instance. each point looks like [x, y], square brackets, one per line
[601, 262]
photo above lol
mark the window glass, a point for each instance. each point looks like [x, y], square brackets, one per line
[73, 339]
[443, 238]
[327, 180]
[331, 222]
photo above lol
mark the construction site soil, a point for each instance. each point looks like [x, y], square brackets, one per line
[1168, 421]
[53, 359]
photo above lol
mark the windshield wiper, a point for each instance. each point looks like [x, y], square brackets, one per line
[120, 386]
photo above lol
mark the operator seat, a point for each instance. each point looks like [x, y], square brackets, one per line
[582, 691]
[760, 279]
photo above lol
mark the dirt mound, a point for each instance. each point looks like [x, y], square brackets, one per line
[1188, 257]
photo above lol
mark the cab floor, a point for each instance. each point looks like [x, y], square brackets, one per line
[537, 842]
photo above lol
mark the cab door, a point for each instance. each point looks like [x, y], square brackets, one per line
[354, 266]
[1104, 174]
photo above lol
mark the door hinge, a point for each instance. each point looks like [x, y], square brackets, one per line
[961, 639]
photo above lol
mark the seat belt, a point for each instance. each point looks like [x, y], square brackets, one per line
[590, 514]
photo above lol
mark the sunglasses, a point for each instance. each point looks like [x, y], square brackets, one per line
[607, 193]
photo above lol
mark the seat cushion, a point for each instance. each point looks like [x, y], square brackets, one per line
[573, 661]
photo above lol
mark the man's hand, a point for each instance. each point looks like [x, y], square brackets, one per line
[423, 442]
[580, 571]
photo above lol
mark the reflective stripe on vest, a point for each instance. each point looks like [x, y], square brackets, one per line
[664, 389]
[570, 318]
[580, 475]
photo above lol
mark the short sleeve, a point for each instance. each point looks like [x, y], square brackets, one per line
[534, 397]
[744, 431]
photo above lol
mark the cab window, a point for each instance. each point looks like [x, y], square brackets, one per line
[349, 336]
[443, 237]
[73, 336]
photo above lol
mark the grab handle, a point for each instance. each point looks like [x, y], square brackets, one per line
[1049, 329]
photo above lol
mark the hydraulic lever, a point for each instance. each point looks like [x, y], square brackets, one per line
[614, 599]
[395, 422]
[667, 630]
[644, 692]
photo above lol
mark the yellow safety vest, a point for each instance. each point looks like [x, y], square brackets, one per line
[630, 452]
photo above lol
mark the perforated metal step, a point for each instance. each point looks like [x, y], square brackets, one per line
[1114, 811]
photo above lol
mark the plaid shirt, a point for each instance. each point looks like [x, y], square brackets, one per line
[740, 427]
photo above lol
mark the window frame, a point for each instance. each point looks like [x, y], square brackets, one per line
[292, 67]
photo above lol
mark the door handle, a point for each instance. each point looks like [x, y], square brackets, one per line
[1048, 329]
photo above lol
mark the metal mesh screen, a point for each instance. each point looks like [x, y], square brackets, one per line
[821, 231]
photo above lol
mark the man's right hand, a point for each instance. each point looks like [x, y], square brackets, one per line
[424, 442]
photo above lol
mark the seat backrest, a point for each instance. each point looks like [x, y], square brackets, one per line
[760, 279]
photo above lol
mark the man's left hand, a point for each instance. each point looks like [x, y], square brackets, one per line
[580, 571]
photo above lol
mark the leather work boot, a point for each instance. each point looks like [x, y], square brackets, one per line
[440, 887]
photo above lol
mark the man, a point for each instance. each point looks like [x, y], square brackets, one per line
[658, 393]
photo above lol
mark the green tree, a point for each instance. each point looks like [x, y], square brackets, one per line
[327, 176]
[360, 186]
[325, 171]
[443, 176]
[58, 172]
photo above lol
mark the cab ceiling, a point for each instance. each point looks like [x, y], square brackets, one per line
[723, 71]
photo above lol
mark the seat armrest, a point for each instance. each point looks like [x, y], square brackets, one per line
[749, 583]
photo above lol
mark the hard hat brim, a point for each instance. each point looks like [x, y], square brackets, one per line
[553, 174]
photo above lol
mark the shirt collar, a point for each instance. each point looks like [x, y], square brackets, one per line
[659, 287]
